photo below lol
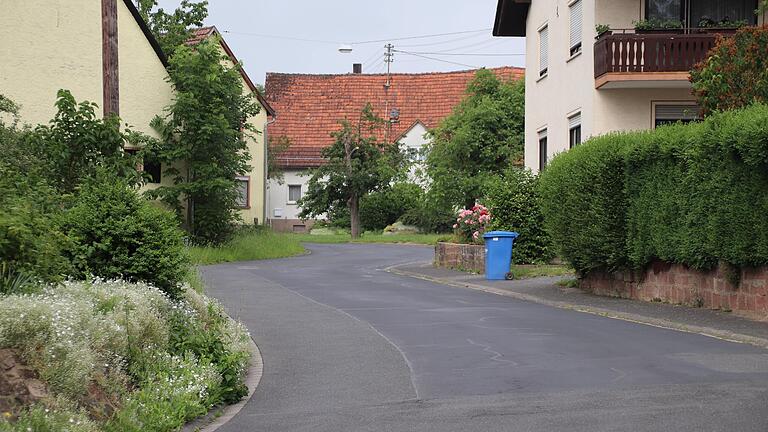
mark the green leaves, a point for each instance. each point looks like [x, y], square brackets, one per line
[694, 194]
[484, 135]
[173, 29]
[357, 163]
[203, 145]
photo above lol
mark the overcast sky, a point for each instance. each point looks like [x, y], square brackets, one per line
[350, 21]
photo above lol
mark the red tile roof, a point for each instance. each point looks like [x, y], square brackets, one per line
[201, 34]
[310, 107]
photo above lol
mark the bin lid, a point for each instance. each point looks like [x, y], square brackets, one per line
[501, 234]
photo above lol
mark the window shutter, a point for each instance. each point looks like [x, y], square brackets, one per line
[543, 50]
[677, 112]
[576, 24]
[574, 120]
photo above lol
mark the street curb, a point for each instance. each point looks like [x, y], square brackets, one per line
[607, 313]
[219, 416]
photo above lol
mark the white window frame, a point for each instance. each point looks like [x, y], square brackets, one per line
[576, 10]
[541, 134]
[289, 201]
[543, 50]
[574, 121]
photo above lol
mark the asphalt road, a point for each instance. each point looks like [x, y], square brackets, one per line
[350, 347]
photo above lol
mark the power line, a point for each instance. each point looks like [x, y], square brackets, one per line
[444, 42]
[263, 35]
[485, 44]
[470, 54]
[420, 37]
[436, 59]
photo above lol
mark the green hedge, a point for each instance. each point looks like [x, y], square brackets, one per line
[693, 194]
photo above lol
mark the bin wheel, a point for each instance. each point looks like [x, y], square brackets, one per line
[509, 276]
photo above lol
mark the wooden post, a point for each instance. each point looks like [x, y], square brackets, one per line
[109, 47]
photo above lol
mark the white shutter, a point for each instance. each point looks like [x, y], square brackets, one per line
[677, 112]
[574, 120]
[543, 50]
[542, 133]
[576, 24]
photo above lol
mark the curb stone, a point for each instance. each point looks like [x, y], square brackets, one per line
[219, 416]
[607, 313]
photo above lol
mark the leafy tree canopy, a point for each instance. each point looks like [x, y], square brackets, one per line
[173, 29]
[358, 163]
[736, 72]
[483, 135]
[203, 142]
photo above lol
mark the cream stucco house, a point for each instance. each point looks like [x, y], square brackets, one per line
[578, 84]
[103, 52]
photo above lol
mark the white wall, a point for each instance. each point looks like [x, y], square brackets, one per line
[414, 139]
[568, 86]
[278, 194]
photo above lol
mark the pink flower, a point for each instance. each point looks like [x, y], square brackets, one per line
[455, 226]
[475, 235]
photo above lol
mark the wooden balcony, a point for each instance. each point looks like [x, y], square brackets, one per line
[630, 60]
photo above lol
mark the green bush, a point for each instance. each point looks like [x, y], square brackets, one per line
[117, 234]
[514, 202]
[431, 215]
[693, 194]
[385, 207]
[584, 203]
[735, 73]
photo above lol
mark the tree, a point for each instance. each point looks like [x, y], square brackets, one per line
[173, 29]
[483, 135]
[736, 72]
[358, 163]
[203, 140]
[77, 145]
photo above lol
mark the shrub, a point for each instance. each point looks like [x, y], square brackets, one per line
[431, 215]
[385, 207]
[514, 202]
[584, 203]
[472, 223]
[736, 72]
[117, 234]
[692, 194]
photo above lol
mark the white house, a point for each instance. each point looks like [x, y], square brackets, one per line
[579, 85]
[310, 108]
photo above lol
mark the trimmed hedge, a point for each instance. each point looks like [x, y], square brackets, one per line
[693, 194]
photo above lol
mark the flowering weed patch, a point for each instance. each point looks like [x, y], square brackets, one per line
[158, 361]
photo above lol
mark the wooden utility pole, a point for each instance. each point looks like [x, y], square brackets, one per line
[109, 58]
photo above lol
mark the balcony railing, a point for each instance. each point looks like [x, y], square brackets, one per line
[632, 52]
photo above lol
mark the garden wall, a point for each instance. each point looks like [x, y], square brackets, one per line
[727, 288]
[467, 257]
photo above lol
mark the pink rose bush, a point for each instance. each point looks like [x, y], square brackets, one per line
[472, 223]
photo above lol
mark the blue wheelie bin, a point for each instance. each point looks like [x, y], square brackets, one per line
[498, 254]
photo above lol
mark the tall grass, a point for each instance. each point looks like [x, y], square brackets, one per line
[248, 246]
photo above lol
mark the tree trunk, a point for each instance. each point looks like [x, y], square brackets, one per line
[354, 215]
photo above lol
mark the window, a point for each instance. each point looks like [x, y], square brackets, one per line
[543, 51]
[294, 193]
[542, 150]
[154, 171]
[576, 26]
[574, 130]
[243, 192]
[701, 13]
[668, 113]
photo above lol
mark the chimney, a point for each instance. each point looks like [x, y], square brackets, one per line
[110, 78]
[357, 68]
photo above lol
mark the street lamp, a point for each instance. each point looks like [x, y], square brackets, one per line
[345, 48]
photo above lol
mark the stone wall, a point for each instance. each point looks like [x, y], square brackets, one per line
[467, 257]
[726, 288]
[291, 225]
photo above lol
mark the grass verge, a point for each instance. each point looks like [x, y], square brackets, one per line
[255, 245]
[533, 271]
